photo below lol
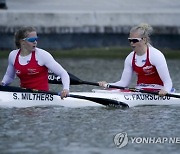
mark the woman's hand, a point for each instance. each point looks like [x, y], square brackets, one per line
[162, 92]
[103, 84]
[2, 84]
[64, 93]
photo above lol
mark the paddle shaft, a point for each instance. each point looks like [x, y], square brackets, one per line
[76, 81]
[142, 91]
[54, 79]
[102, 101]
[90, 83]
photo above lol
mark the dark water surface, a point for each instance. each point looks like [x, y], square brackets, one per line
[89, 130]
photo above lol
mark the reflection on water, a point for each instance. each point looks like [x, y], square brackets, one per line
[88, 130]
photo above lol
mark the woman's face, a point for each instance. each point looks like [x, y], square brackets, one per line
[136, 41]
[30, 42]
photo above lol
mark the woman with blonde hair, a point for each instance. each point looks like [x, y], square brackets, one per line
[148, 63]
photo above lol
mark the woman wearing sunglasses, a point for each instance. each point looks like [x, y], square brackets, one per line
[31, 64]
[147, 62]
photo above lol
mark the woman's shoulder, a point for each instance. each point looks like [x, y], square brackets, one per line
[41, 52]
[155, 50]
[156, 56]
[42, 55]
[130, 56]
[13, 53]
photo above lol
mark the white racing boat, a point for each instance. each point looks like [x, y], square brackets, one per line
[21, 98]
[24, 98]
[133, 99]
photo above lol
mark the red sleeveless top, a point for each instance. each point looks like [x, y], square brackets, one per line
[32, 75]
[147, 74]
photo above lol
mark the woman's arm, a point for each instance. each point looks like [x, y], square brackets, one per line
[46, 59]
[126, 74]
[10, 72]
[158, 60]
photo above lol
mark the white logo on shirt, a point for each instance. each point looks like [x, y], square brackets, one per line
[18, 72]
[148, 69]
[32, 71]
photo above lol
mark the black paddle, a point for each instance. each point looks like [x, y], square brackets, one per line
[142, 91]
[54, 79]
[102, 101]
[76, 81]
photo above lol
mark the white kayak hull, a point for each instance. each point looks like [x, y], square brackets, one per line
[23, 100]
[140, 99]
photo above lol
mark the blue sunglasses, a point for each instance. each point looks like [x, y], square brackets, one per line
[31, 39]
